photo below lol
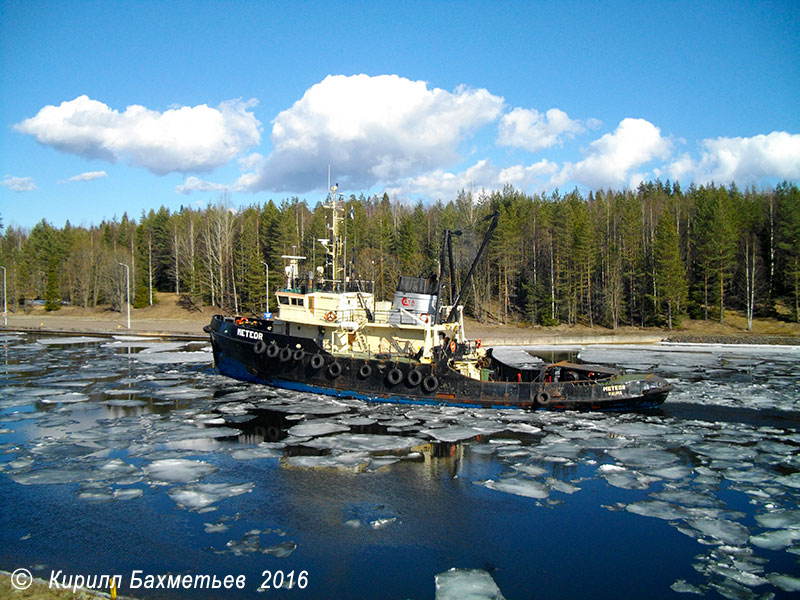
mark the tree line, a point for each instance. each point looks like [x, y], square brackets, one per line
[644, 257]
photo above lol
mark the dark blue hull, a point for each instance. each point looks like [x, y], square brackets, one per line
[259, 355]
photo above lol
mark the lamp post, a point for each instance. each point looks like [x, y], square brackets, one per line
[266, 287]
[5, 310]
[128, 291]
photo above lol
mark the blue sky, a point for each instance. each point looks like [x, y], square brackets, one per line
[114, 107]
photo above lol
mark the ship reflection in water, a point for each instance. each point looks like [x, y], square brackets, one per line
[128, 454]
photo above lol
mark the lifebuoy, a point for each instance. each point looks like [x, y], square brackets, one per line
[335, 369]
[272, 350]
[414, 377]
[424, 317]
[260, 346]
[477, 343]
[452, 347]
[543, 398]
[316, 361]
[285, 354]
[430, 383]
[394, 376]
[299, 354]
[330, 316]
[365, 371]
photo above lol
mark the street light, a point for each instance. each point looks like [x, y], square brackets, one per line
[128, 291]
[266, 285]
[5, 311]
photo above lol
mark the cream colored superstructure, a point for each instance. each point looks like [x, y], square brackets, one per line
[339, 323]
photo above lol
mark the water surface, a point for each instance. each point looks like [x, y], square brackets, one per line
[132, 454]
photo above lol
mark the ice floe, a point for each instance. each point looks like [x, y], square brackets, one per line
[518, 486]
[160, 358]
[350, 461]
[201, 496]
[785, 582]
[362, 442]
[466, 584]
[453, 433]
[178, 470]
[68, 341]
[316, 429]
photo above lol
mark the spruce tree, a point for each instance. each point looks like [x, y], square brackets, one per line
[670, 273]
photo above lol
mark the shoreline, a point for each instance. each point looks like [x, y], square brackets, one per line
[490, 335]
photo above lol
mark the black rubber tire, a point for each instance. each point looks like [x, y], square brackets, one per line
[365, 371]
[543, 398]
[430, 383]
[285, 354]
[272, 350]
[299, 354]
[394, 376]
[316, 361]
[260, 346]
[414, 377]
[335, 369]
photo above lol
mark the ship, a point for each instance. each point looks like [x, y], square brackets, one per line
[331, 336]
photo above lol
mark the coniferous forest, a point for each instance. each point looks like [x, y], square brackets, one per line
[641, 258]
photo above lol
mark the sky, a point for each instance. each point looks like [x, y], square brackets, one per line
[109, 107]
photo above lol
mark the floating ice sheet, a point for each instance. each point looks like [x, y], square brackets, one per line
[67, 341]
[160, 358]
[317, 428]
[466, 584]
[68, 398]
[201, 496]
[453, 433]
[518, 486]
[358, 442]
[350, 461]
[178, 470]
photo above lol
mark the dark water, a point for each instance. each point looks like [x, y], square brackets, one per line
[123, 456]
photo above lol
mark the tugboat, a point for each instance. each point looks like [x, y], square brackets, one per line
[331, 336]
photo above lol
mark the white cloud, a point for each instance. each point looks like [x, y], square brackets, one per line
[19, 184]
[89, 176]
[534, 131]
[742, 160]
[523, 177]
[483, 175]
[370, 130]
[194, 184]
[184, 139]
[611, 159]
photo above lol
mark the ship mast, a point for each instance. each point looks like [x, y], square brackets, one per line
[333, 245]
